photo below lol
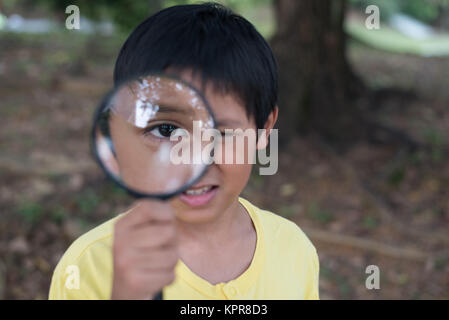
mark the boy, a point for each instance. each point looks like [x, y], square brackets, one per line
[224, 248]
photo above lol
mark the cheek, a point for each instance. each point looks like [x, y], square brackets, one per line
[236, 150]
[234, 159]
[235, 176]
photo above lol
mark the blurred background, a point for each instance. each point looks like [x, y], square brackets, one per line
[364, 123]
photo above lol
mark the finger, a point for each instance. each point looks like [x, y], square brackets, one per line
[158, 260]
[148, 211]
[158, 279]
[153, 236]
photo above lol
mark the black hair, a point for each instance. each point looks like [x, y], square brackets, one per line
[212, 41]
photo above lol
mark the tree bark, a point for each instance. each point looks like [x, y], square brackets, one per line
[317, 86]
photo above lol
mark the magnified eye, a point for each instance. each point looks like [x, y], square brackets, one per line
[162, 130]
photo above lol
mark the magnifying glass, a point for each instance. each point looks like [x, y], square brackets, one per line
[147, 136]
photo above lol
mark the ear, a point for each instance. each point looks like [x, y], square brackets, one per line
[269, 124]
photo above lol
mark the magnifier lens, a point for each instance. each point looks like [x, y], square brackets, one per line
[148, 135]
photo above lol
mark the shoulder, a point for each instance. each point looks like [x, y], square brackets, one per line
[88, 258]
[279, 230]
[96, 239]
[290, 256]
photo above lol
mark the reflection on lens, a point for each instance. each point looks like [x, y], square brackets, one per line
[142, 126]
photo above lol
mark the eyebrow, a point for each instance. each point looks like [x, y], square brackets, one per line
[228, 123]
[168, 109]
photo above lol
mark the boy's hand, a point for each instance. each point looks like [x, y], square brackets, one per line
[144, 251]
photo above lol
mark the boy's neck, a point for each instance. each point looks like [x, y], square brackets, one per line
[229, 224]
[220, 250]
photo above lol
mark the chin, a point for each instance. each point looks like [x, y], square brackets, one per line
[196, 215]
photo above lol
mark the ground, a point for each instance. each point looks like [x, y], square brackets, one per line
[372, 204]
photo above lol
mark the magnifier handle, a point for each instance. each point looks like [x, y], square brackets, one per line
[158, 296]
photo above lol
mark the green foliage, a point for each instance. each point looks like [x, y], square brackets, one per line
[441, 262]
[112, 192]
[232, 4]
[289, 211]
[387, 7]
[315, 212]
[397, 176]
[436, 140]
[370, 222]
[88, 201]
[257, 180]
[258, 12]
[341, 282]
[30, 211]
[58, 214]
[388, 39]
[424, 10]
[126, 14]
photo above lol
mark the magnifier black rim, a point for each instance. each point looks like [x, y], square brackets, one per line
[93, 135]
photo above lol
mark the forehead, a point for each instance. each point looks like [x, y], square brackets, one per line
[229, 110]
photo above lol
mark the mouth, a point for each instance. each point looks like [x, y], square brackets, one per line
[199, 196]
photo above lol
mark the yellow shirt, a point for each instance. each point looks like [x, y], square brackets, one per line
[284, 266]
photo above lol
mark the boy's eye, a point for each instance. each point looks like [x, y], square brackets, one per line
[162, 130]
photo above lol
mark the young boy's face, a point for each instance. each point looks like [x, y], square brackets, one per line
[227, 180]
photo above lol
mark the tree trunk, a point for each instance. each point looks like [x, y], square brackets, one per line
[316, 84]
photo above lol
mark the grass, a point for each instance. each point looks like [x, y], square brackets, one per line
[441, 262]
[31, 212]
[397, 176]
[256, 180]
[113, 192]
[58, 214]
[316, 213]
[391, 40]
[370, 222]
[88, 201]
[289, 211]
[342, 283]
[435, 138]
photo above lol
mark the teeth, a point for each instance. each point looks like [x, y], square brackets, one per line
[196, 192]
